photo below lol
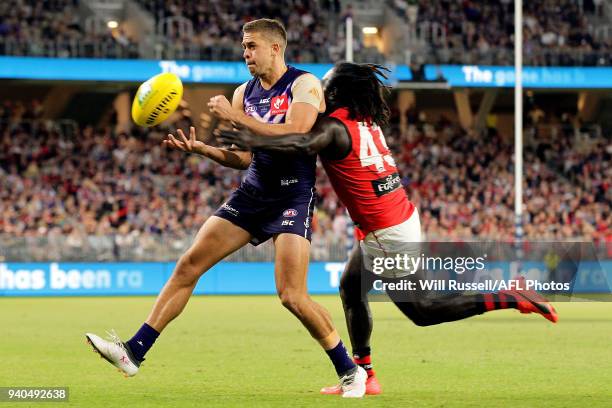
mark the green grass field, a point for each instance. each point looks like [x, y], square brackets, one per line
[249, 351]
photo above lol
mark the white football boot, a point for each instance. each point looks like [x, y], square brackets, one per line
[115, 352]
[354, 385]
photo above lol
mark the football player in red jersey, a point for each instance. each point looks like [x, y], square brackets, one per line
[352, 148]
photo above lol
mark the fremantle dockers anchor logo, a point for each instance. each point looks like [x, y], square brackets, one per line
[387, 184]
[279, 104]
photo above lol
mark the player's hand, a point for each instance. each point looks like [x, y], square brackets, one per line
[221, 108]
[241, 139]
[181, 142]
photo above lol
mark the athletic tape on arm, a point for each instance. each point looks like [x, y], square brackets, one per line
[307, 89]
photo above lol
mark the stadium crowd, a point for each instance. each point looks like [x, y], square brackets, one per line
[215, 28]
[472, 195]
[559, 32]
[126, 195]
[555, 32]
[54, 28]
[206, 30]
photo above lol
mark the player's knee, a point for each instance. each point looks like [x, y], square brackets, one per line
[292, 300]
[347, 282]
[424, 314]
[421, 321]
[416, 311]
[350, 289]
[187, 271]
[349, 296]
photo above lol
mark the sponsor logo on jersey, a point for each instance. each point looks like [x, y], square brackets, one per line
[279, 104]
[290, 213]
[250, 109]
[387, 184]
[286, 182]
[264, 100]
[287, 222]
[230, 209]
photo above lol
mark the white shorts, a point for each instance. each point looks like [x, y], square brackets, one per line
[398, 243]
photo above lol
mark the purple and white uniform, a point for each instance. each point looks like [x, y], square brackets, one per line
[278, 193]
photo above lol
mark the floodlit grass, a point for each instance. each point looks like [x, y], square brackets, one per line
[249, 351]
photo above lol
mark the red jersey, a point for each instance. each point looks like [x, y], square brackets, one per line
[366, 180]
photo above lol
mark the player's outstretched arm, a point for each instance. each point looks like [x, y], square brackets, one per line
[328, 137]
[234, 159]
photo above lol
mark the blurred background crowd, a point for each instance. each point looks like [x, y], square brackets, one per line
[556, 32]
[127, 196]
[71, 189]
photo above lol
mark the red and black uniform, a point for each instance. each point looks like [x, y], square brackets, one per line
[368, 184]
[366, 180]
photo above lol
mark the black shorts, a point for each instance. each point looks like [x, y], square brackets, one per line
[265, 217]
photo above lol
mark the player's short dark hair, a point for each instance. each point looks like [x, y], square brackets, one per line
[267, 26]
[359, 88]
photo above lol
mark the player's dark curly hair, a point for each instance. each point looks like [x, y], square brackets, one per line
[360, 88]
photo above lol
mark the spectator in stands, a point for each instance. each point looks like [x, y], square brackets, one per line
[125, 196]
[482, 32]
[54, 28]
[207, 30]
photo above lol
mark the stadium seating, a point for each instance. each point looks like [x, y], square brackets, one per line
[559, 33]
[183, 30]
[462, 196]
[212, 30]
[55, 29]
[120, 196]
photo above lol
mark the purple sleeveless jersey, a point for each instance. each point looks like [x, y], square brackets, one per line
[276, 173]
[277, 195]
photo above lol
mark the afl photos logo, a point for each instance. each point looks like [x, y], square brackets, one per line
[279, 105]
